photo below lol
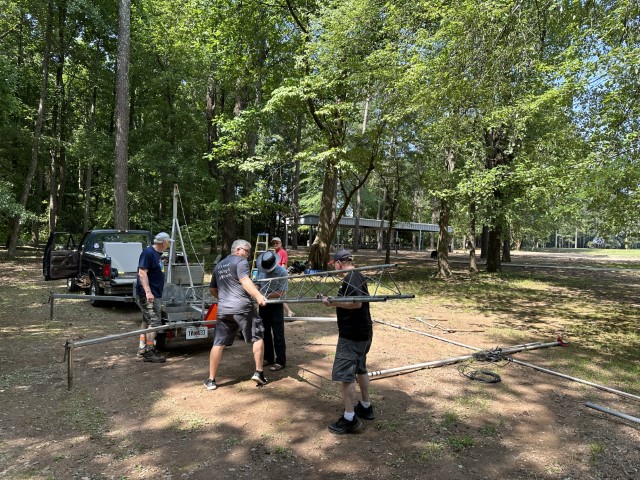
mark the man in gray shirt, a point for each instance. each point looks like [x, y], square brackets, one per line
[231, 284]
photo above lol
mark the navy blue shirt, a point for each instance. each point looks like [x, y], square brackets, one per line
[151, 261]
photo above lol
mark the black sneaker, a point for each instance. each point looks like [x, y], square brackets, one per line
[153, 357]
[343, 425]
[364, 412]
[258, 377]
[210, 384]
[141, 352]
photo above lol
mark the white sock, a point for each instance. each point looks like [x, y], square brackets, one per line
[365, 404]
[349, 415]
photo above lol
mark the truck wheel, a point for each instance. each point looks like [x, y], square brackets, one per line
[71, 285]
[96, 290]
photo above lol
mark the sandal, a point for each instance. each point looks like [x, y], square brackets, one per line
[275, 367]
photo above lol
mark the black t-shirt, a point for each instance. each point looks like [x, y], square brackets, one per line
[354, 324]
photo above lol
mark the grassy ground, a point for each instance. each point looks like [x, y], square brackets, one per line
[125, 419]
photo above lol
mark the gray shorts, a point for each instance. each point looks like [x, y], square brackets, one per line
[351, 359]
[227, 325]
[152, 317]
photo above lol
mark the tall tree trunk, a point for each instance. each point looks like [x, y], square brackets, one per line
[358, 205]
[88, 179]
[471, 243]
[295, 205]
[57, 150]
[381, 215]
[357, 212]
[212, 137]
[35, 224]
[506, 246]
[443, 221]
[121, 177]
[493, 253]
[415, 217]
[229, 218]
[319, 251]
[443, 241]
[37, 133]
[434, 220]
[484, 242]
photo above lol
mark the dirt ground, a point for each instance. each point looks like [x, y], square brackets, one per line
[126, 419]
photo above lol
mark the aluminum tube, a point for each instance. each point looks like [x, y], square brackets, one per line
[118, 336]
[80, 296]
[447, 361]
[579, 380]
[311, 319]
[328, 273]
[435, 363]
[612, 412]
[363, 298]
[541, 369]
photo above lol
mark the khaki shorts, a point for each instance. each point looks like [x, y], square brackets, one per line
[152, 317]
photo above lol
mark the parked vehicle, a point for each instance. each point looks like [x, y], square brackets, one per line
[103, 262]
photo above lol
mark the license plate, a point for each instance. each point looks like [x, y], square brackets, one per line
[197, 332]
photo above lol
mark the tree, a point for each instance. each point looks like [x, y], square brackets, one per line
[121, 174]
[35, 147]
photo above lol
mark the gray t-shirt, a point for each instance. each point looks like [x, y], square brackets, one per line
[279, 285]
[232, 298]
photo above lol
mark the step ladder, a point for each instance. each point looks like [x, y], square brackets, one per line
[262, 243]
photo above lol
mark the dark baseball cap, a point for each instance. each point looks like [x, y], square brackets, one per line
[342, 255]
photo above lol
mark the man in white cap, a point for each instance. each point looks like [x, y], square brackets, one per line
[150, 283]
[275, 349]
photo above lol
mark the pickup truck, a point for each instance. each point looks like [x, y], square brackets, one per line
[103, 262]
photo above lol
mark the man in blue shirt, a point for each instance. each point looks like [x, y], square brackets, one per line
[150, 284]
